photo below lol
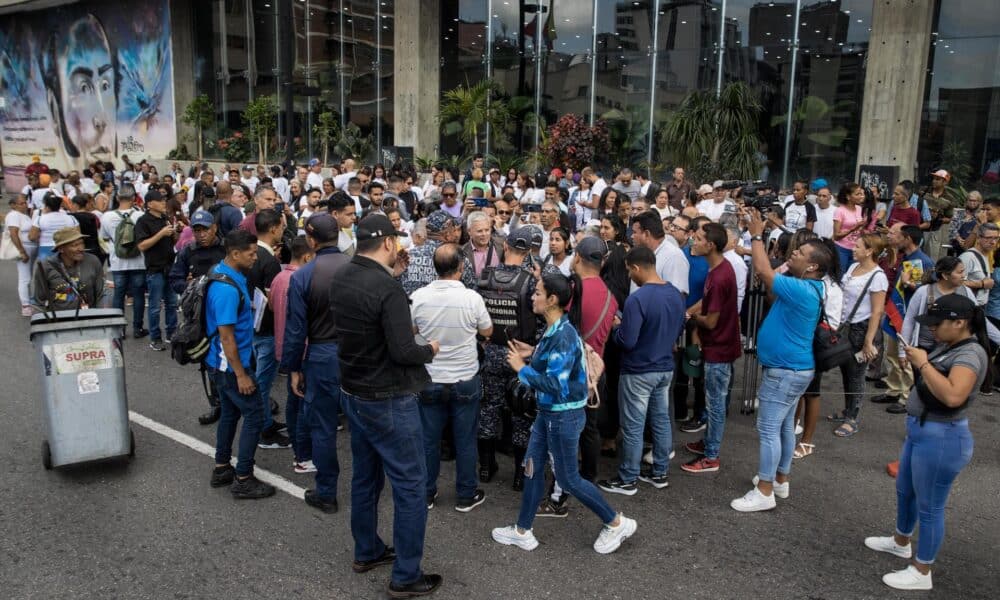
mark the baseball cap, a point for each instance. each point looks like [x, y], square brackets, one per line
[202, 218]
[704, 189]
[948, 308]
[818, 184]
[557, 173]
[313, 162]
[35, 158]
[520, 239]
[942, 174]
[717, 184]
[536, 235]
[153, 196]
[438, 220]
[322, 227]
[376, 226]
[247, 168]
[592, 250]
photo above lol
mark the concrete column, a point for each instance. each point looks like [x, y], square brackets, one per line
[894, 84]
[182, 48]
[416, 75]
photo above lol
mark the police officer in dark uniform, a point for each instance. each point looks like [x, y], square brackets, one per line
[507, 289]
[315, 372]
[193, 261]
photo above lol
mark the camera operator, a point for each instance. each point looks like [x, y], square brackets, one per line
[786, 354]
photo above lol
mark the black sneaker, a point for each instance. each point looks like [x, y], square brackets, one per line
[548, 508]
[251, 488]
[657, 481]
[467, 504]
[316, 501]
[157, 345]
[277, 426]
[617, 486]
[223, 476]
[211, 416]
[430, 500]
[885, 399]
[140, 333]
[693, 426]
[363, 566]
[486, 472]
[896, 408]
[421, 587]
[270, 440]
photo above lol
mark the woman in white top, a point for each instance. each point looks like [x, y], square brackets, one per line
[865, 285]
[434, 183]
[560, 253]
[49, 221]
[18, 225]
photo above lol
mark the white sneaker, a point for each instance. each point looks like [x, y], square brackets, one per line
[780, 489]
[798, 428]
[304, 467]
[753, 501]
[612, 537]
[509, 536]
[888, 544]
[648, 457]
[908, 579]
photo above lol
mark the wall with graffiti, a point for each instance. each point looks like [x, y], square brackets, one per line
[85, 82]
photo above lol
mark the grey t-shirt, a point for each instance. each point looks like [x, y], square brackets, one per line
[632, 190]
[972, 356]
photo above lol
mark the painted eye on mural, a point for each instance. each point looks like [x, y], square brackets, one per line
[85, 87]
[105, 85]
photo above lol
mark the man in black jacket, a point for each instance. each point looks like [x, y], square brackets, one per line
[382, 373]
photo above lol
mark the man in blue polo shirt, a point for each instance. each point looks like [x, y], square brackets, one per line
[229, 322]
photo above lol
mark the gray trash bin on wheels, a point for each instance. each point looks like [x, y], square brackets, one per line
[83, 384]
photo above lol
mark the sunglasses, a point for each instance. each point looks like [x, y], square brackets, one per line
[505, 212]
[447, 195]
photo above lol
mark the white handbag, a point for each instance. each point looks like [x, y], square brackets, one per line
[8, 251]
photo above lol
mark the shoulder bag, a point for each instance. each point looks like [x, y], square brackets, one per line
[832, 347]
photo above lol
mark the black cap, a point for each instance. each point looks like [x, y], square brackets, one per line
[322, 227]
[152, 195]
[948, 308]
[592, 249]
[375, 226]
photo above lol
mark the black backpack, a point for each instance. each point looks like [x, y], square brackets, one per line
[191, 341]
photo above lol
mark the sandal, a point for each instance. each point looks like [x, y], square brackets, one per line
[836, 417]
[848, 428]
[803, 450]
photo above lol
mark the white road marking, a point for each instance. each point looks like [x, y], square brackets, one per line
[201, 447]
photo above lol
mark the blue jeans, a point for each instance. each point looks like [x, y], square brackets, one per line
[298, 428]
[555, 435]
[933, 455]
[460, 401]
[234, 405]
[132, 282]
[637, 394]
[267, 370]
[717, 377]
[320, 410]
[387, 440]
[846, 257]
[778, 394]
[45, 252]
[160, 290]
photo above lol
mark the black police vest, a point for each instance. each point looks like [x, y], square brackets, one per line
[507, 294]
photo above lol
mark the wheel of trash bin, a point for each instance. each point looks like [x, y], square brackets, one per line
[46, 455]
[131, 444]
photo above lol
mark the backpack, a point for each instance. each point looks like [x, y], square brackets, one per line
[508, 301]
[191, 341]
[125, 246]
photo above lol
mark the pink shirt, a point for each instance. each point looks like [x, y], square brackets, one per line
[479, 258]
[279, 304]
[848, 219]
[185, 238]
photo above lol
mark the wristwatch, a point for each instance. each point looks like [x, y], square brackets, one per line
[757, 238]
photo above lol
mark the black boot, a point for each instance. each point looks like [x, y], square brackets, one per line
[212, 415]
[518, 484]
[487, 460]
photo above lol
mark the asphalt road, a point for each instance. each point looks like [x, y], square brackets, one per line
[153, 528]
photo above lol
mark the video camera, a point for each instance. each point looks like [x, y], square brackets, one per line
[756, 193]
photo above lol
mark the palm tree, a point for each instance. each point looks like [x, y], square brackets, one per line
[467, 109]
[715, 136]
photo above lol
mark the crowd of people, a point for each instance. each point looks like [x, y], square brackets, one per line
[552, 319]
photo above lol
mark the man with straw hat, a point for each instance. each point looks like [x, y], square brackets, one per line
[70, 278]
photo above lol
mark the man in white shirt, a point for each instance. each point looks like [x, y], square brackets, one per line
[671, 264]
[249, 179]
[715, 207]
[446, 311]
[280, 184]
[340, 181]
[597, 185]
[129, 274]
[314, 180]
[824, 213]
[739, 265]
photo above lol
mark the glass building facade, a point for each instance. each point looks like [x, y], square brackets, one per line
[635, 60]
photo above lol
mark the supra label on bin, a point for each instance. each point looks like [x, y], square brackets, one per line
[76, 357]
[88, 382]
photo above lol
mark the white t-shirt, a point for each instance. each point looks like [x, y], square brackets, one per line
[251, 182]
[23, 224]
[49, 223]
[340, 181]
[314, 181]
[796, 215]
[834, 302]
[447, 312]
[714, 210]
[596, 190]
[671, 265]
[853, 286]
[38, 197]
[740, 269]
[823, 227]
[109, 224]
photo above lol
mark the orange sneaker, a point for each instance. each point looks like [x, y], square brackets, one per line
[892, 468]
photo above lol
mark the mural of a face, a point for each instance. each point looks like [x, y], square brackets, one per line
[80, 81]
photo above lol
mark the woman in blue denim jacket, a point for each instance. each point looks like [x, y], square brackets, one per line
[558, 376]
